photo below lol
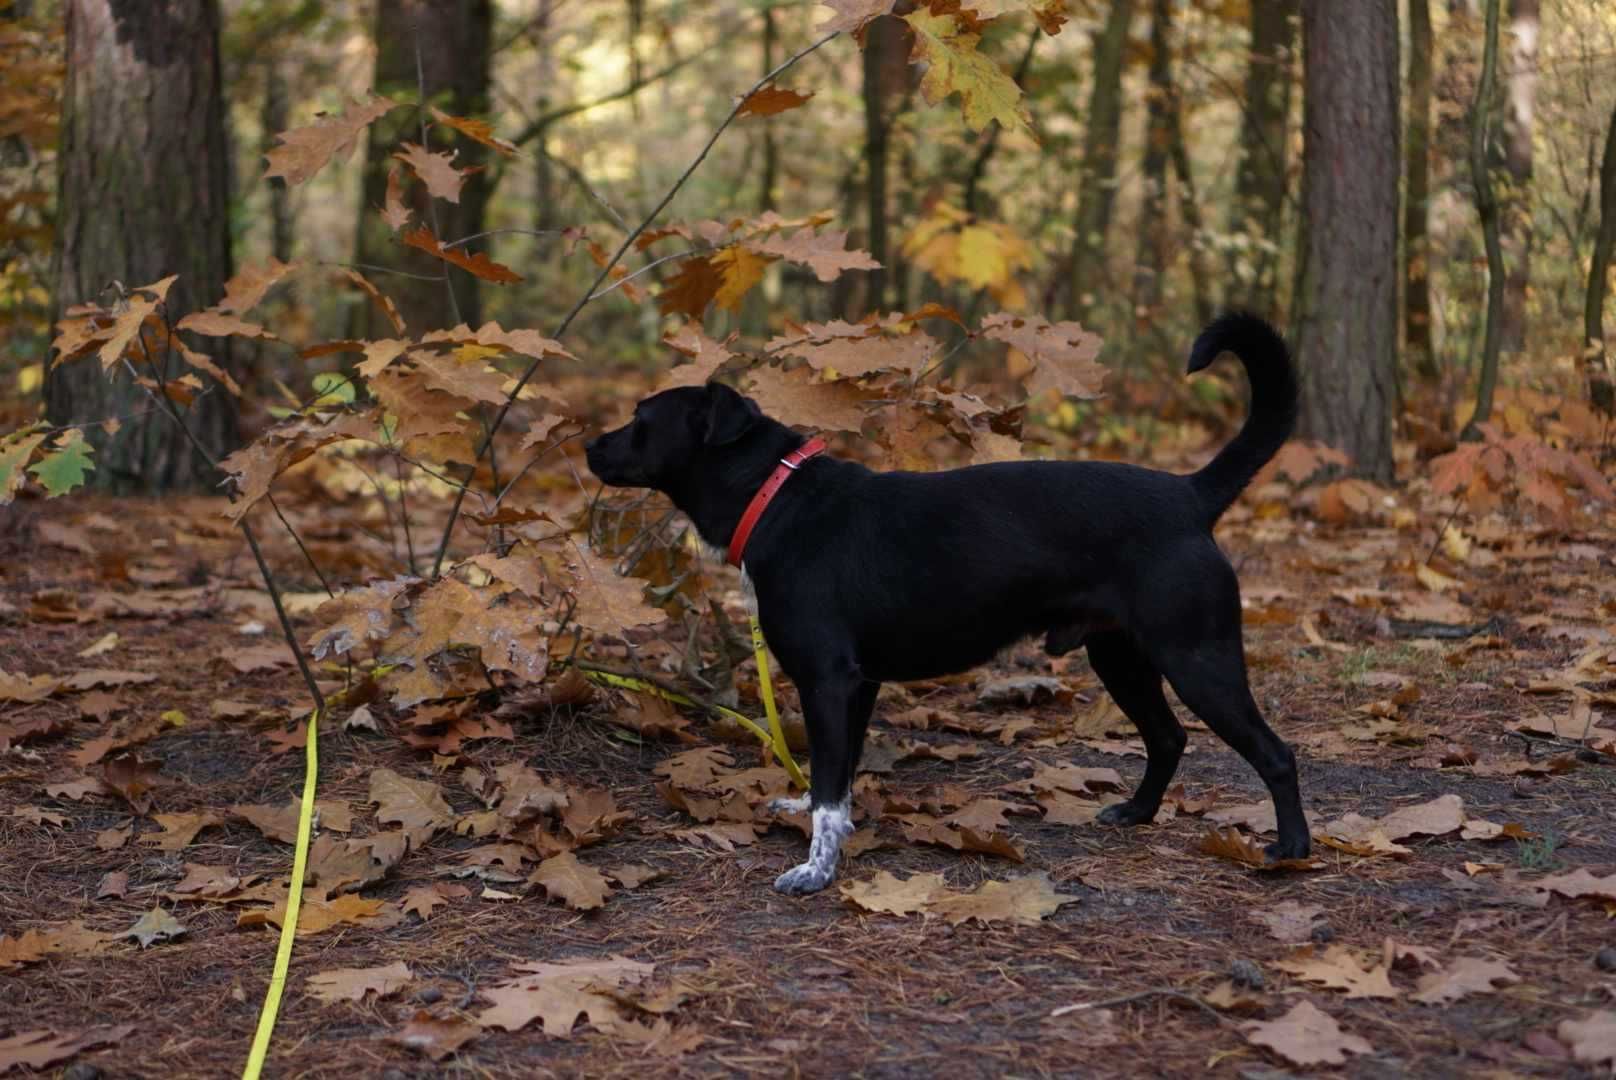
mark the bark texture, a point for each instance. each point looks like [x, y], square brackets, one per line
[1261, 183]
[1600, 389]
[143, 191]
[1487, 210]
[1417, 196]
[1097, 183]
[1347, 331]
[454, 58]
[1150, 261]
[1515, 207]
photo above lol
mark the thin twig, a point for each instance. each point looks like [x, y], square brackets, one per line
[533, 367]
[431, 203]
[649, 266]
[498, 232]
[326, 585]
[404, 511]
[373, 268]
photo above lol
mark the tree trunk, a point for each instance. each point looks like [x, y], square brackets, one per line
[1260, 184]
[276, 120]
[1600, 389]
[1516, 206]
[453, 36]
[1097, 182]
[1487, 210]
[1150, 262]
[1417, 199]
[771, 150]
[1347, 327]
[143, 193]
[881, 38]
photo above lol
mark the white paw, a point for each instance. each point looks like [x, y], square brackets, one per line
[789, 806]
[804, 879]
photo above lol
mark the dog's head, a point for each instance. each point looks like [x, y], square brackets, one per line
[671, 434]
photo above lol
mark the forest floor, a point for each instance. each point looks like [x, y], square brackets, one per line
[1436, 954]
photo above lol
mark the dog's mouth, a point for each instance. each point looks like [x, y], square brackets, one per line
[609, 467]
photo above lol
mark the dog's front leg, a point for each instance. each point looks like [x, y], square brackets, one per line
[831, 704]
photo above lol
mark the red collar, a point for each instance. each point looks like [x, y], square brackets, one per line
[765, 494]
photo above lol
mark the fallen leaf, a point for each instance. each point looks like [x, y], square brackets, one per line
[179, 830]
[565, 878]
[435, 1038]
[1289, 921]
[1467, 975]
[558, 993]
[1306, 1036]
[1339, 969]
[113, 886]
[423, 900]
[415, 804]
[1592, 1039]
[154, 926]
[1023, 901]
[352, 984]
[41, 1049]
[892, 895]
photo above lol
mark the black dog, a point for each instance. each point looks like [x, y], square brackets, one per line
[863, 577]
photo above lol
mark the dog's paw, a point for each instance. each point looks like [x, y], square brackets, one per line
[797, 805]
[1126, 813]
[803, 880]
[1280, 850]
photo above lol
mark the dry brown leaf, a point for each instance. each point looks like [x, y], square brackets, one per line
[1022, 901]
[558, 993]
[1231, 844]
[1338, 968]
[1289, 921]
[179, 829]
[248, 285]
[891, 895]
[477, 264]
[790, 398]
[381, 299]
[476, 130]
[305, 151]
[565, 878]
[1064, 353]
[423, 900]
[825, 253]
[1467, 975]
[436, 171]
[1592, 1039]
[1579, 883]
[42, 1048]
[395, 211]
[352, 984]
[414, 804]
[1307, 1036]
[435, 1038]
[607, 602]
[770, 100]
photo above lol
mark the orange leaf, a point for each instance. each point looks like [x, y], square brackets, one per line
[478, 130]
[770, 100]
[478, 264]
[436, 171]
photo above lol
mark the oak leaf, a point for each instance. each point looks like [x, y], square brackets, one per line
[179, 829]
[477, 264]
[607, 602]
[154, 926]
[1592, 1039]
[851, 15]
[825, 253]
[435, 1038]
[305, 151]
[893, 895]
[250, 284]
[1063, 352]
[381, 299]
[352, 984]
[436, 171]
[1307, 1036]
[1022, 901]
[692, 288]
[41, 1049]
[476, 130]
[414, 804]
[792, 399]
[1465, 976]
[1338, 969]
[558, 993]
[582, 887]
[395, 211]
[955, 66]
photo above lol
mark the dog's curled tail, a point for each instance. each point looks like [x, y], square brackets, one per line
[1273, 405]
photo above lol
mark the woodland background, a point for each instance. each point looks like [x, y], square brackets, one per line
[344, 284]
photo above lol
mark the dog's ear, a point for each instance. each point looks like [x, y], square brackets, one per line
[729, 415]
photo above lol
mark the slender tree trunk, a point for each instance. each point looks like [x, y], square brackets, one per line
[1150, 262]
[544, 184]
[1487, 210]
[771, 151]
[1600, 384]
[1347, 330]
[143, 191]
[1097, 182]
[1260, 184]
[1516, 207]
[1417, 197]
[883, 38]
[276, 120]
[453, 39]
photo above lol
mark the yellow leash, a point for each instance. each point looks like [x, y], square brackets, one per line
[294, 902]
[774, 738]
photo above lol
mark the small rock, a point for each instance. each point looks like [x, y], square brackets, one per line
[1605, 959]
[82, 1071]
[395, 1074]
[430, 995]
[1323, 934]
[1247, 974]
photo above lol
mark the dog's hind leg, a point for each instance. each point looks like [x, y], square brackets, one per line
[836, 708]
[1136, 686]
[1198, 648]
